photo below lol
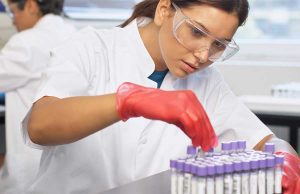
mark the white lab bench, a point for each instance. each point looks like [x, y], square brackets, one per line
[158, 184]
[277, 111]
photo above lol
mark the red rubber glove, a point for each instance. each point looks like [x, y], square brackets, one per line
[291, 173]
[180, 108]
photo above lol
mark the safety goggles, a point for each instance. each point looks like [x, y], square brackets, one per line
[192, 36]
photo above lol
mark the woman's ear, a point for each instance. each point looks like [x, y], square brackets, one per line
[32, 7]
[162, 11]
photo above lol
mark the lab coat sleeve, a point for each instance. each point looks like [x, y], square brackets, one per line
[62, 79]
[66, 75]
[231, 118]
[15, 67]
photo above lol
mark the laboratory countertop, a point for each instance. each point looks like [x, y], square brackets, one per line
[272, 105]
[158, 184]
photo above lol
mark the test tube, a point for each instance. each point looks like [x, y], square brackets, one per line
[187, 182]
[241, 145]
[234, 146]
[269, 148]
[262, 176]
[194, 178]
[173, 177]
[180, 177]
[279, 159]
[219, 179]
[200, 154]
[210, 152]
[245, 177]
[270, 174]
[228, 178]
[226, 147]
[210, 181]
[237, 177]
[254, 164]
[201, 173]
[191, 152]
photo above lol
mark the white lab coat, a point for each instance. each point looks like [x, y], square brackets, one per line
[97, 62]
[22, 60]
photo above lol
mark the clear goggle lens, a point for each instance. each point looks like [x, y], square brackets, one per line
[193, 37]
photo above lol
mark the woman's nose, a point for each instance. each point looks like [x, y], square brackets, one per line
[202, 54]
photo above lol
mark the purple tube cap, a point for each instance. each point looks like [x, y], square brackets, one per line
[220, 168]
[237, 165]
[187, 167]
[211, 169]
[191, 150]
[279, 159]
[228, 167]
[246, 165]
[226, 146]
[201, 170]
[270, 162]
[242, 144]
[172, 163]
[254, 164]
[194, 168]
[234, 145]
[179, 165]
[262, 163]
[269, 148]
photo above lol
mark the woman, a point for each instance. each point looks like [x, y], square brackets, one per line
[102, 77]
[40, 27]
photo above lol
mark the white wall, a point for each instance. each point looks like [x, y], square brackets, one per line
[257, 78]
[7, 29]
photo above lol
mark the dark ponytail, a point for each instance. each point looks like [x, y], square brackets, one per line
[51, 6]
[147, 8]
[46, 6]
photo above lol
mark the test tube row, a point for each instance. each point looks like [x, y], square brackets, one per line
[234, 170]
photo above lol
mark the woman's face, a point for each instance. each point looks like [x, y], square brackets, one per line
[25, 18]
[184, 54]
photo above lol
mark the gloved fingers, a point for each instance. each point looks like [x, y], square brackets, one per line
[194, 127]
[201, 134]
[291, 173]
[210, 139]
[291, 165]
[205, 139]
[297, 186]
[286, 182]
[186, 124]
[203, 130]
[290, 189]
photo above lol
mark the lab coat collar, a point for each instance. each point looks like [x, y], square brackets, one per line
[48, 20]
[147, 66]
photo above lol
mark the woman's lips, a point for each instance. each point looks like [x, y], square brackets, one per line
[188, 67]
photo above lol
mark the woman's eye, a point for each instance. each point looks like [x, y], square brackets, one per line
[219, 45]
[197, 33]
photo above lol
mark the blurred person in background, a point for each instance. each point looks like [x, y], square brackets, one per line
[40, 27]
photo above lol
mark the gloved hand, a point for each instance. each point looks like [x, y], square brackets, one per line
[291, 173]
[180, 108]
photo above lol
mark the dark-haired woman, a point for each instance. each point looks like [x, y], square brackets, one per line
[40, 27]
[103, 77]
